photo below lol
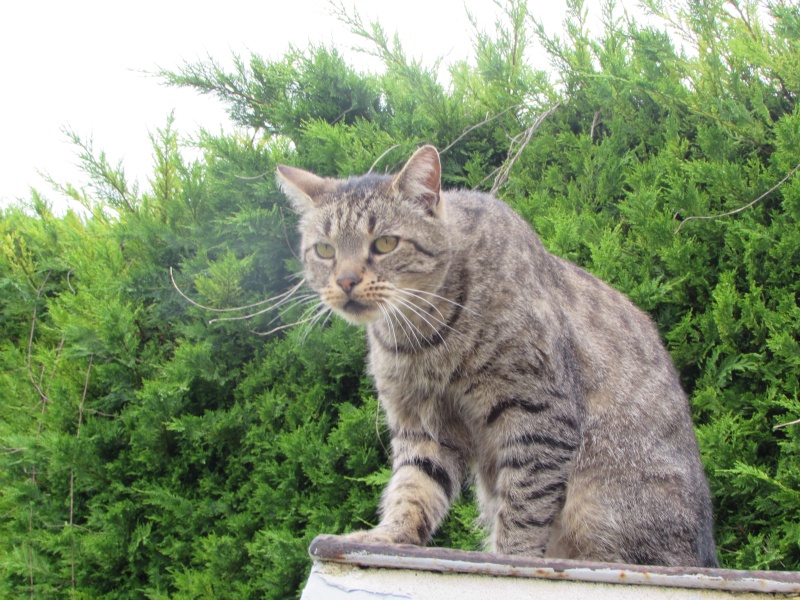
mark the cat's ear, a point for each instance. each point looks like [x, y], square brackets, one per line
[421, 178]
[301, 187]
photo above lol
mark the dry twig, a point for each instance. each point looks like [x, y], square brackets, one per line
[381, 156]
[518, 143]
[785, 424]
[30, 338]
[594, 124]
[72, 474]
[476, 125]
[746, 206]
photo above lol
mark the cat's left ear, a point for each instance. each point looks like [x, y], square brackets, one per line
[421, 179]
[301, 187]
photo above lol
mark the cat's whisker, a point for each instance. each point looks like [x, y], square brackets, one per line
[388, 320]
[421, 314]
[280, 297]
[440, 321]
[315, 319]
[418, 297]
[453, 302]
[327, 316]
[396, 310]
[298, 322]
[307, 299]
[391, 310]
[264, 310]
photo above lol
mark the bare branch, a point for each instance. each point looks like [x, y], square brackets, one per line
[47, 391]
[30, 338]
[476, 125]
[72, 474]
[341, 116]
[518, 144]
[259, 176]
[746, 206]
[594, 124]
[286, 235]
[69, 285]
[381, 156]
[785, 425]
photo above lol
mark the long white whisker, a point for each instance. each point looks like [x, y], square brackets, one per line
[391, 309]
[417, 311]
[442, 298]
[315, 319]
[274, 298]
[440, 321]
[389, 321]
[397, 311]
[299, 322]
[428, 302]
[263, 310]
[405, 327]
[307, 299]
[327, 316]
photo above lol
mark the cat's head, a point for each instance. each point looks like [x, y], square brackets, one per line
[370, 243]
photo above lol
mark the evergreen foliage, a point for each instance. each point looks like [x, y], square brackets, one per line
[148, 453]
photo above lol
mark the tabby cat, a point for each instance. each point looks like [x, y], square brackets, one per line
[494, 357]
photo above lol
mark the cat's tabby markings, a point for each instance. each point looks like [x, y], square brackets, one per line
[493, 357]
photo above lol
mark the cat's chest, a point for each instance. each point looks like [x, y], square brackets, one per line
[420, 375]
[422, 390]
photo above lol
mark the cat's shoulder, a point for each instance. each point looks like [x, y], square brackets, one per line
[474, 208]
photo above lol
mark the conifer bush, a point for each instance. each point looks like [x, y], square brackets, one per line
[146, 452]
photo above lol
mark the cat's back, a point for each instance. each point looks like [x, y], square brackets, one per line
[502, 253]
[481, 218]
[593, 346]
[594, 341]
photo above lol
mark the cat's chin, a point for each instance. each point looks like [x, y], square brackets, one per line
[358, 313]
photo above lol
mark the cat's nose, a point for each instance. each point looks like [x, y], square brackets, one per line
[348, 281]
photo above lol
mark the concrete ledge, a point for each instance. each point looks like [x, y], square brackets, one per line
[413, 572]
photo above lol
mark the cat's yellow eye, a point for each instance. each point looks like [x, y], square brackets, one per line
[385, 244]
[324, 250]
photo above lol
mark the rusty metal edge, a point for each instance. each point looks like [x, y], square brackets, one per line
[330, 548]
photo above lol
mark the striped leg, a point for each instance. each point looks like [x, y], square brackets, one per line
[426, 479]
[535, 446]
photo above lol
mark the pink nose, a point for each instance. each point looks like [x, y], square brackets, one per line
[348, 281]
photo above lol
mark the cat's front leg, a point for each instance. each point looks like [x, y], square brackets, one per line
[426, 478]
[524, 486]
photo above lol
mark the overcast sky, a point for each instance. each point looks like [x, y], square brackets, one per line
[79, 64]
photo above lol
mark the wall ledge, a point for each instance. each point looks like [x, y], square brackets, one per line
[329, 552]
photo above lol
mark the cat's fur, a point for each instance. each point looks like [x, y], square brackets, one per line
[492, 356]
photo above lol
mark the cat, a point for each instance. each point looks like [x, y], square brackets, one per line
[492, 356]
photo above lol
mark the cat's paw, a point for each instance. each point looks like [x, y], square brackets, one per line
[384, 535]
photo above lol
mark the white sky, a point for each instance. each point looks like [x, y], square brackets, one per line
[79, 63]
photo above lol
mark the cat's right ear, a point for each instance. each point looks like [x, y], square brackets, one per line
[421, 178]
[301, 187]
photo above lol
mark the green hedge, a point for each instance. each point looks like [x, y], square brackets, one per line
[146, 452]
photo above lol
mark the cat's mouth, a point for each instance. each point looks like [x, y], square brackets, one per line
[354, 307]
[357, 313]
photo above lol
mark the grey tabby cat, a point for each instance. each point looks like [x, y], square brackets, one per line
[491, 355]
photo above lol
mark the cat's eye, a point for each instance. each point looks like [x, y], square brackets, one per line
[324, 250]
[385, 244]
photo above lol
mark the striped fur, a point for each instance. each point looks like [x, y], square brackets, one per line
[495, 358]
